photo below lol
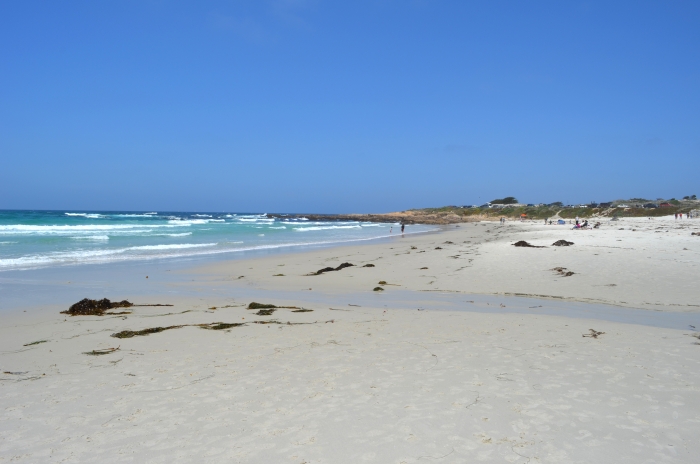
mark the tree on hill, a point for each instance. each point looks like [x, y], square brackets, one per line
[505, 201]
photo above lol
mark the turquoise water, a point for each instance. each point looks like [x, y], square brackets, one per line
[38, 239]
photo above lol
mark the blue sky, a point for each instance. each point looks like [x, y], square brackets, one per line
[362, 106]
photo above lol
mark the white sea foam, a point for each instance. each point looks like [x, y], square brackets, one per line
[86, 215]
[154, 251]
[21, 229]
[7, 243]
[306, 229]
[184, 234]
[202, 215]
[91, 237]
[188, 222]
[148, 215]
[255, 219]
[169, 247]
[281, 227]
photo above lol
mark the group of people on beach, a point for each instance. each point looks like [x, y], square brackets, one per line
[403, 227]
[680, 216]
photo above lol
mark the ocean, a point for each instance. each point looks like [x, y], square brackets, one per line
[41, 239]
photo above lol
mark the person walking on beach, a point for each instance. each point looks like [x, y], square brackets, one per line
[403, 226]
[391, 229]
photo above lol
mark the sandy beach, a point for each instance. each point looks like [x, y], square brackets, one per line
[474, 350]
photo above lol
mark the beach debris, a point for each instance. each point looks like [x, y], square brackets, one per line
[15, 373]
[140, 333]
[35, 343]
[562, 243]
[357, 306]
[695, 233]
[378, 289]
[523, 243]
[438, 248]
[154, 305]
[278, 275]
[413, 248]
[382, 282]
[255, 305]
[562, 271]
[101, 352]
[265, 312]
[331, 269]
[424, 268]
[593, 334]
[87, 307]
[303, 310]
[220, 325]
[368, 265]
[450, 243]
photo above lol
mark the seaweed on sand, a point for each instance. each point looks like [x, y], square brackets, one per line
[302, 310]
[523, 243]
[378, 289]
[368, 265]
[35, 343]
[331, 269]
[563, 272]
[593, 334]
[562, 243]
[87, 307]
[220, 325]
[101, 352]
[265, 312]
[255, 305]
[139, 333]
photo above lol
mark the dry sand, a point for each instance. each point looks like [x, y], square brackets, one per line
[368, 384]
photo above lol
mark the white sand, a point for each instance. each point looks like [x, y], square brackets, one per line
[374, 385]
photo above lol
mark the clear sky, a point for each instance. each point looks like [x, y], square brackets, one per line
[345, 106]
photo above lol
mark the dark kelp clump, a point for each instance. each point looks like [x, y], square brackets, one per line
[87, 307]
[35, 343]
[562, 271]
[255, 305]
[368, 265]
[221, 325]
[378, 289]
[302, 310]
[140, 333]
[331, 269]
[523, 243]
[265, 312]
[562, 243]
[593, 334]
